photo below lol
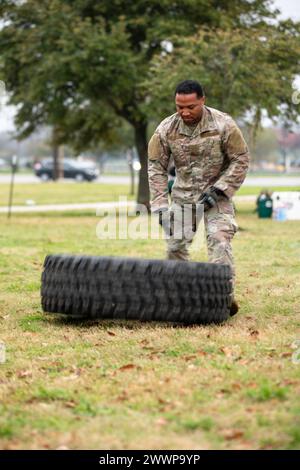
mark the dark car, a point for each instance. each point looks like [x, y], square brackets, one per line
[80, 171]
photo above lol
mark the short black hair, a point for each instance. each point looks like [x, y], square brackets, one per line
[189, 86]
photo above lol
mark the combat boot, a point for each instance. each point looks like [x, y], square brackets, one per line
[234, 308]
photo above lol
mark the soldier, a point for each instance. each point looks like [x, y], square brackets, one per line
[211, 159]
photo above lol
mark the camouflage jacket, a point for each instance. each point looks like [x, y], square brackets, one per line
[213, 153]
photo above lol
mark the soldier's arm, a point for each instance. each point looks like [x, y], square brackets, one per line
[158, 159]
[237, 153]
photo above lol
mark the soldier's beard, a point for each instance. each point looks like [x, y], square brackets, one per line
[191, 122]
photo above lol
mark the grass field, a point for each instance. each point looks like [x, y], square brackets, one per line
[118, 385]
[60, 193]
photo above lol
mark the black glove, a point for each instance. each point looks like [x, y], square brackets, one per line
[166, 220]
[210, 197]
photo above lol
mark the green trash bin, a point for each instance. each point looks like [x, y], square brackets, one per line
[264, 206]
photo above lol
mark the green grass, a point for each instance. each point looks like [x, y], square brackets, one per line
[63, 193]
[60, 193]
[21, 171]
[216, 387]
[255, 190]
[267, 391]
[271, 174]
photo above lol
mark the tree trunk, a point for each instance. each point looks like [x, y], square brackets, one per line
[58, 156]
[140, 132]
[55, 163]
[61, 156]
[129, 155]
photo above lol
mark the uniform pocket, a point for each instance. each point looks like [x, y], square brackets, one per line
[216, 155]
[225, 206]
[220, 222]
[179, 153]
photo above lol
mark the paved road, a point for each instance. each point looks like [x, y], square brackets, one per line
[31, 179]
[268, 181]
[250, 180]
[99, 207]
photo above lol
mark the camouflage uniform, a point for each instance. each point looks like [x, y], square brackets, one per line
[213, 153]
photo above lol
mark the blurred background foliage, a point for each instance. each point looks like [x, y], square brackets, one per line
[101, 75]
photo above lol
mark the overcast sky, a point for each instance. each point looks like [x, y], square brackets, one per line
[288, 8]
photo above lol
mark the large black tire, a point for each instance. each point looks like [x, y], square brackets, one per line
[130, 288]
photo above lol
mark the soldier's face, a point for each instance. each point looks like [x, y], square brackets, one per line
[189, 107]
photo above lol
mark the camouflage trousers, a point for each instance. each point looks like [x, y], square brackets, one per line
[220, 227]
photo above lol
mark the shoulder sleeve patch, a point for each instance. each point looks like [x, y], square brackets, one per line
[154, 147]
[236, 143]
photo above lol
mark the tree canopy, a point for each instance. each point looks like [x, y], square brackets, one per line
[243, 71]
[84, 67]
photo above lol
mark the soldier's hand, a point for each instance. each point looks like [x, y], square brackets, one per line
[166, 219]
[210, 197]
[160, 213]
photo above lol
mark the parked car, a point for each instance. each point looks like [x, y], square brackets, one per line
[80, 171]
